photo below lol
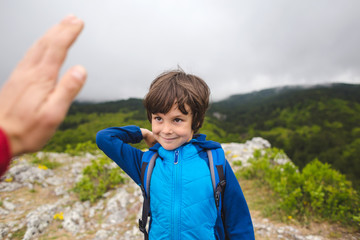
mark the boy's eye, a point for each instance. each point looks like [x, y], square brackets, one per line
[157, 119]
[177, 120]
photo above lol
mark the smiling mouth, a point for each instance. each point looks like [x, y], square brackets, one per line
[168, 139]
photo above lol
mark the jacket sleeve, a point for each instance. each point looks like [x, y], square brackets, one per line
[238, 223]
[5, 155]
[114, 143]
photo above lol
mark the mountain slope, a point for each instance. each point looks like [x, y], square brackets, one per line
[318, 122]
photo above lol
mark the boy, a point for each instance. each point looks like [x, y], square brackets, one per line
[182, 197]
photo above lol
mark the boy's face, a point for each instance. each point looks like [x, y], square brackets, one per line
[172, 129]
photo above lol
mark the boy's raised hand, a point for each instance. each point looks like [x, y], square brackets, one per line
[32, 102]
[148, 137]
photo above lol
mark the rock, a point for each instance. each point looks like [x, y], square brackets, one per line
[4, 230]
[91, 212]
[101, 235]
[259, 143]
[17, 169]
[82, 221]
[73, 219]
[26, 173]
[244, 151]
[116, 207]
[60, 191]
[77, 168]
[3, 212]
[9, 206]
[133, 234]
[281, 159]
[9, 187]
[30, 186]
[311, 237]
[89, 156]
[39, 219]
[54, 180]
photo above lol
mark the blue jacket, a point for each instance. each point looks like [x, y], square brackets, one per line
[238, 225]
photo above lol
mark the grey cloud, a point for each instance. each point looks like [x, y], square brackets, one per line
[236, 46]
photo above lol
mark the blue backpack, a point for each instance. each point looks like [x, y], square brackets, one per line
[217, 163]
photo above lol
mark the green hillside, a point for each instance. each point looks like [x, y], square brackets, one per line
[320, 122]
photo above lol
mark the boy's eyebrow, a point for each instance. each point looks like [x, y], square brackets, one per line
[180, 115]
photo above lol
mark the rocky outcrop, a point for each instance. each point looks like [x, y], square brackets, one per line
[115, 216]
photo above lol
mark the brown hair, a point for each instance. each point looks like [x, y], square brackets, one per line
[177, 87]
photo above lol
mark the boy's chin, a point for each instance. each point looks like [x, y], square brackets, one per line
[170, 147]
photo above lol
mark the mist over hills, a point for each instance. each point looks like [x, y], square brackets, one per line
[342, 90]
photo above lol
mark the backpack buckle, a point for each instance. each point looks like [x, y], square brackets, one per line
[217, 199]
[141, 226]
[219, 189]
[143, 191]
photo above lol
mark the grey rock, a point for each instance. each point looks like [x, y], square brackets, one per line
[116, 207]
[10, 187]
[4, 230]
[17, 169]
[59, 191]
[9, 205]
[117, 216]
[133, 234]
[54, 180]
[73, 219]
[30, 186]
[3, 212]
[101, 235]
[92, 212]
[39, 219]
[31, 174]
[311, 237]
[90, 156]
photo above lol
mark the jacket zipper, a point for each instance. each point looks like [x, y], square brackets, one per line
[176, 159]
[177, 195]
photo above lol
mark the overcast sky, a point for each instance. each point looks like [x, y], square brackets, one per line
[235, 46]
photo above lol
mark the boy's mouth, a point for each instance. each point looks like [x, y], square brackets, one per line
[169, 139]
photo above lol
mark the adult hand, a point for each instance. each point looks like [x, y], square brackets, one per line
[32, 102]
[148, 137]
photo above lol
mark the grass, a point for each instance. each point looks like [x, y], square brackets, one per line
[19, 234]
[262, 203]
[260, 198]
[45, 161]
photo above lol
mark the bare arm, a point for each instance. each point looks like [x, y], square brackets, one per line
[32, 102]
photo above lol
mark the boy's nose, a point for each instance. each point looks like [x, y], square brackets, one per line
[167, 128]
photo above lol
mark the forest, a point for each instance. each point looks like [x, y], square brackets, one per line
[318, 122]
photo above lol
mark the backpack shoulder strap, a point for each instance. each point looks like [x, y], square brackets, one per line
[147, 166]
[217, 163]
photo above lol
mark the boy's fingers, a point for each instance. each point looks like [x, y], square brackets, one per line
[65, 92]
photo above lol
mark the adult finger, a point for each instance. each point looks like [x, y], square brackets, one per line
[64, 93]
[52, 47]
